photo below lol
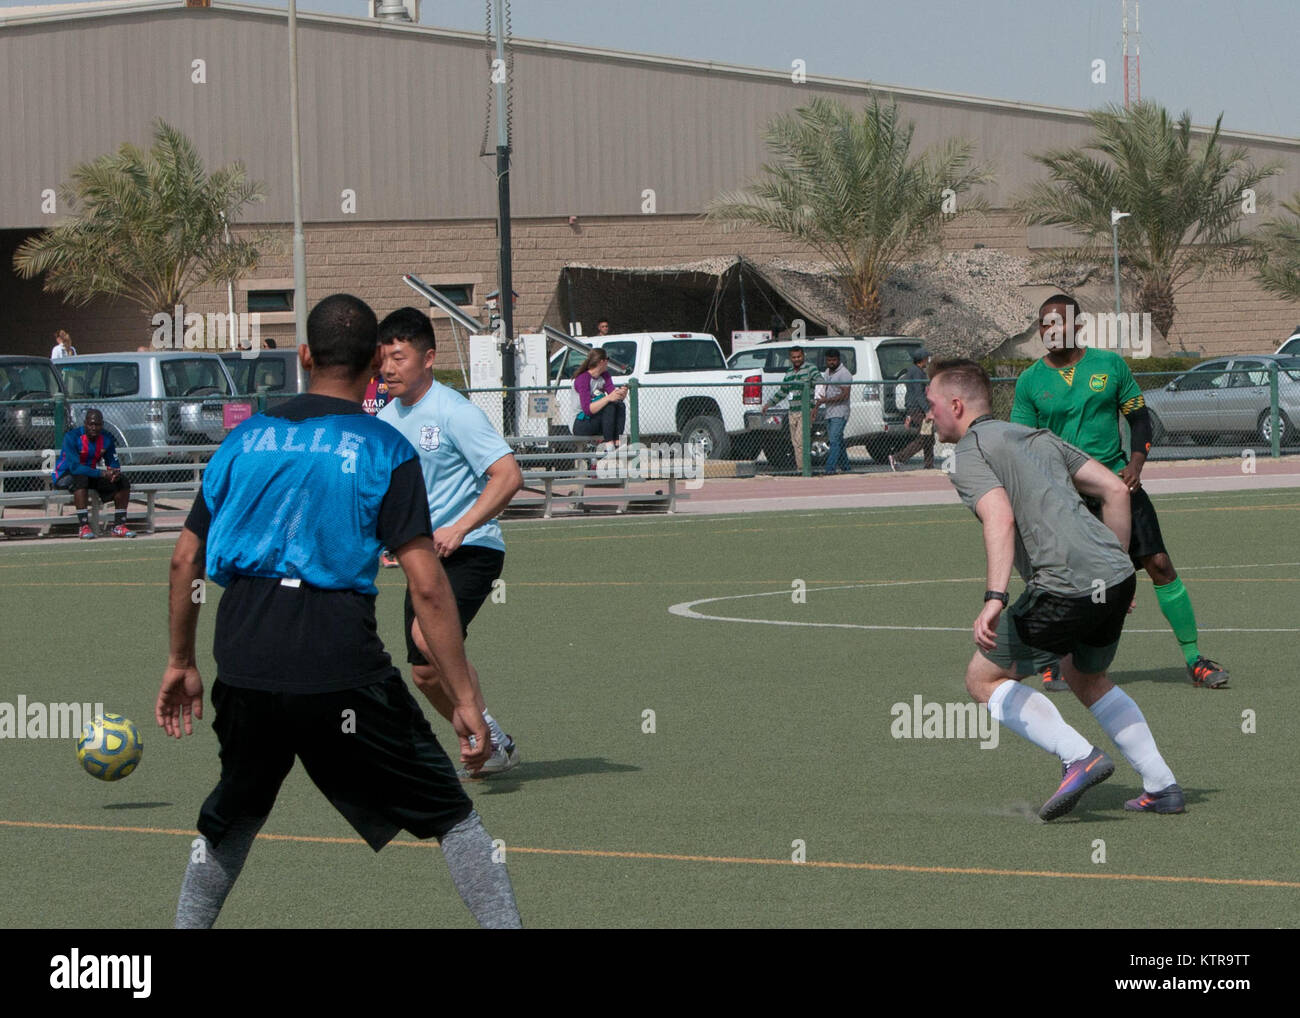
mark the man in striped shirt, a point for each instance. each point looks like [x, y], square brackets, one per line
[792, 385]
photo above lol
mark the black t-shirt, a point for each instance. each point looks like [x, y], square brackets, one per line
[302, 639]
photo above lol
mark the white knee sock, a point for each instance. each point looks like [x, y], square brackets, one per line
[1123, 722]
[1033, 716]
[494, 730]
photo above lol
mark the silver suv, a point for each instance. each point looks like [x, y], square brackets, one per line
[140, 395]
[276, 372]
[27, 388]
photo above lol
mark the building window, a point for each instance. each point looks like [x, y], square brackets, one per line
[461, 294]
[270, 300]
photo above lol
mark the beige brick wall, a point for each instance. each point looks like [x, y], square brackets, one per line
[1218, 316]
[997, 230]
[1230, 314]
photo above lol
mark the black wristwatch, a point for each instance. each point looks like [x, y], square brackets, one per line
[996, 595]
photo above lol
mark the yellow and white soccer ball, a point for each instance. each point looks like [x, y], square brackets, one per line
[109, 747]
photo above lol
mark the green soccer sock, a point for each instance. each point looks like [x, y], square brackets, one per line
[1176, 605]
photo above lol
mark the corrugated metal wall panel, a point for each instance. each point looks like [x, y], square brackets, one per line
[397, 116]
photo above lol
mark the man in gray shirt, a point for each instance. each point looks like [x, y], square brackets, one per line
[1025, 485]
[838, 389]
[914, 409]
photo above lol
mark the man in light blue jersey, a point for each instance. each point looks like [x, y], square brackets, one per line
[470, 475]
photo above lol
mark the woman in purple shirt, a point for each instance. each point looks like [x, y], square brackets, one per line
[602, 409]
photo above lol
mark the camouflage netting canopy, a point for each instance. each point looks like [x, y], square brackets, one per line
[964, 303]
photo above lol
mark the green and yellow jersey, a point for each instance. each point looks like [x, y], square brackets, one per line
[1081, 403]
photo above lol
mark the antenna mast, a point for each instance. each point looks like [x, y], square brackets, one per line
[1137, 47]
[1125, 32]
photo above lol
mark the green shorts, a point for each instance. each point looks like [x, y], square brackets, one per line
[1041, 628]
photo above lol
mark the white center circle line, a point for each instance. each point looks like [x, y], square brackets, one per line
[686, 609]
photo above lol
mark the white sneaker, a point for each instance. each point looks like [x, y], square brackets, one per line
[502, 759]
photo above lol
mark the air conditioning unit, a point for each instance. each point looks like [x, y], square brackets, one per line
[395, 10]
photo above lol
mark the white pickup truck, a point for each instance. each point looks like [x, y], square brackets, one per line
[674, 401]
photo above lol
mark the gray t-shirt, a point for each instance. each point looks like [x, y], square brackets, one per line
[835, 382]
[916, 381]
[1060, 546]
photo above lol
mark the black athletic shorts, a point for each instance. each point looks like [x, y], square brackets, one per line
[1145, 539]
[1087, 628]
[471, 570]
[381, 766]
[106, 488]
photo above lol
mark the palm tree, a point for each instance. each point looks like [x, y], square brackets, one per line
[1278, 247]
[846, 186]
[147, 227]
[1185, 195]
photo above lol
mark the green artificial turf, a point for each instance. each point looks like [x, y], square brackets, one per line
[766, 737]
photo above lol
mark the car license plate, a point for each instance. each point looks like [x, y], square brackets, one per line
[43, 422]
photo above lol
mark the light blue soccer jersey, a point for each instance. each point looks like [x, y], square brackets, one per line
[456, 444]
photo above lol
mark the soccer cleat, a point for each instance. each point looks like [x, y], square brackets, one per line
[1207, 674]
[1052, 681]
[121, 531]
[85, 533]
[1093, 769]
[387, 559]
[1167, 800]
[502, 759]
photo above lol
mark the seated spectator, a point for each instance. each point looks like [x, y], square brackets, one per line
[62, 346]
[602, 410]
[77, 470]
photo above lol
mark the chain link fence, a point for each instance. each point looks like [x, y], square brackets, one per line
[170, 434]
[1204, 412]
[727, 421]
[1195, 414]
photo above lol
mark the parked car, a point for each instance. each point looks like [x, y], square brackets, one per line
[710, 418]
[138, 395]
[1226, 398]
[30, 383]
[1291, 345]
[875, 411]
[274, 371]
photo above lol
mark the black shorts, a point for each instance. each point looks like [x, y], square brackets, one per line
[471, 571]
[106, 488]
[1145, 539]
[1049, 626]
[382, 767]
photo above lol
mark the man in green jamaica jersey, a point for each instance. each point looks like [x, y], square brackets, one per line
[1078, 393]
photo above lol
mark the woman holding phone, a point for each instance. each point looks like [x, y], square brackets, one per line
[602, 410]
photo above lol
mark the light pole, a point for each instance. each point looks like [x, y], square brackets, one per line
[509, 420]
[1115, 217]
[230, 283]
[295, 161]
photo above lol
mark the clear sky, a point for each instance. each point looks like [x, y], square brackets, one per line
[1207, 56]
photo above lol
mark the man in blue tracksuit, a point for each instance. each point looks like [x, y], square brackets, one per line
[77, 470]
